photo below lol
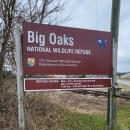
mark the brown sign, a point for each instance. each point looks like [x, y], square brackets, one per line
[63, 84]
[51, 49]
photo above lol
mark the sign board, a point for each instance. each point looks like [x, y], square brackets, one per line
[38, 84]
[51, 49]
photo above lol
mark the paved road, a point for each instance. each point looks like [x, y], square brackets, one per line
[124, 82]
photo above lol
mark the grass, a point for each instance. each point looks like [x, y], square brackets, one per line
[123, 118]
[69, 120]
[77, 121]
[64, 119]
[42, 113]
[128, 79]
[124, 88]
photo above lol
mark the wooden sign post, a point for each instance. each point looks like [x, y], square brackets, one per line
[20, 89]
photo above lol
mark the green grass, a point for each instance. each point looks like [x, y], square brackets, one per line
[123, 118]
[69, 120]
[77, 121]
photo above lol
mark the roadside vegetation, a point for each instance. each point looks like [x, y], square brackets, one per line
[77, 121]
[43, 112]
[128, 79]
[123, 117]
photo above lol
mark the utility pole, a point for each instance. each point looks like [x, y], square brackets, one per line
[115, 90]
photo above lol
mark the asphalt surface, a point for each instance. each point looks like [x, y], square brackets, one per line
[124, 82]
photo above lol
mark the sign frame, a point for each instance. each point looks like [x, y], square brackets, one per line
[45, 79]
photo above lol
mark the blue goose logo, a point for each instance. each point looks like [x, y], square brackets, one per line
[101, 42]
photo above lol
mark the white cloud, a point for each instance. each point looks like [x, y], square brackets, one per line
[124, 38]
[85, 16]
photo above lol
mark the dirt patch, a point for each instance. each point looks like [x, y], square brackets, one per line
[83, 103]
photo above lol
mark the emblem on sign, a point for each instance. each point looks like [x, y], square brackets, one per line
[31, 61]
[101, 42]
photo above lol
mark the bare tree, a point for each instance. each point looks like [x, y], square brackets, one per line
[13, 12]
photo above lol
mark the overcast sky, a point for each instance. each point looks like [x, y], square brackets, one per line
[96, 15]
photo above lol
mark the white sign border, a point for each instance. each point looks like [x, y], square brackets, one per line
[63, 79]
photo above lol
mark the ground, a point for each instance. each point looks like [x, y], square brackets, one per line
[85, 103]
